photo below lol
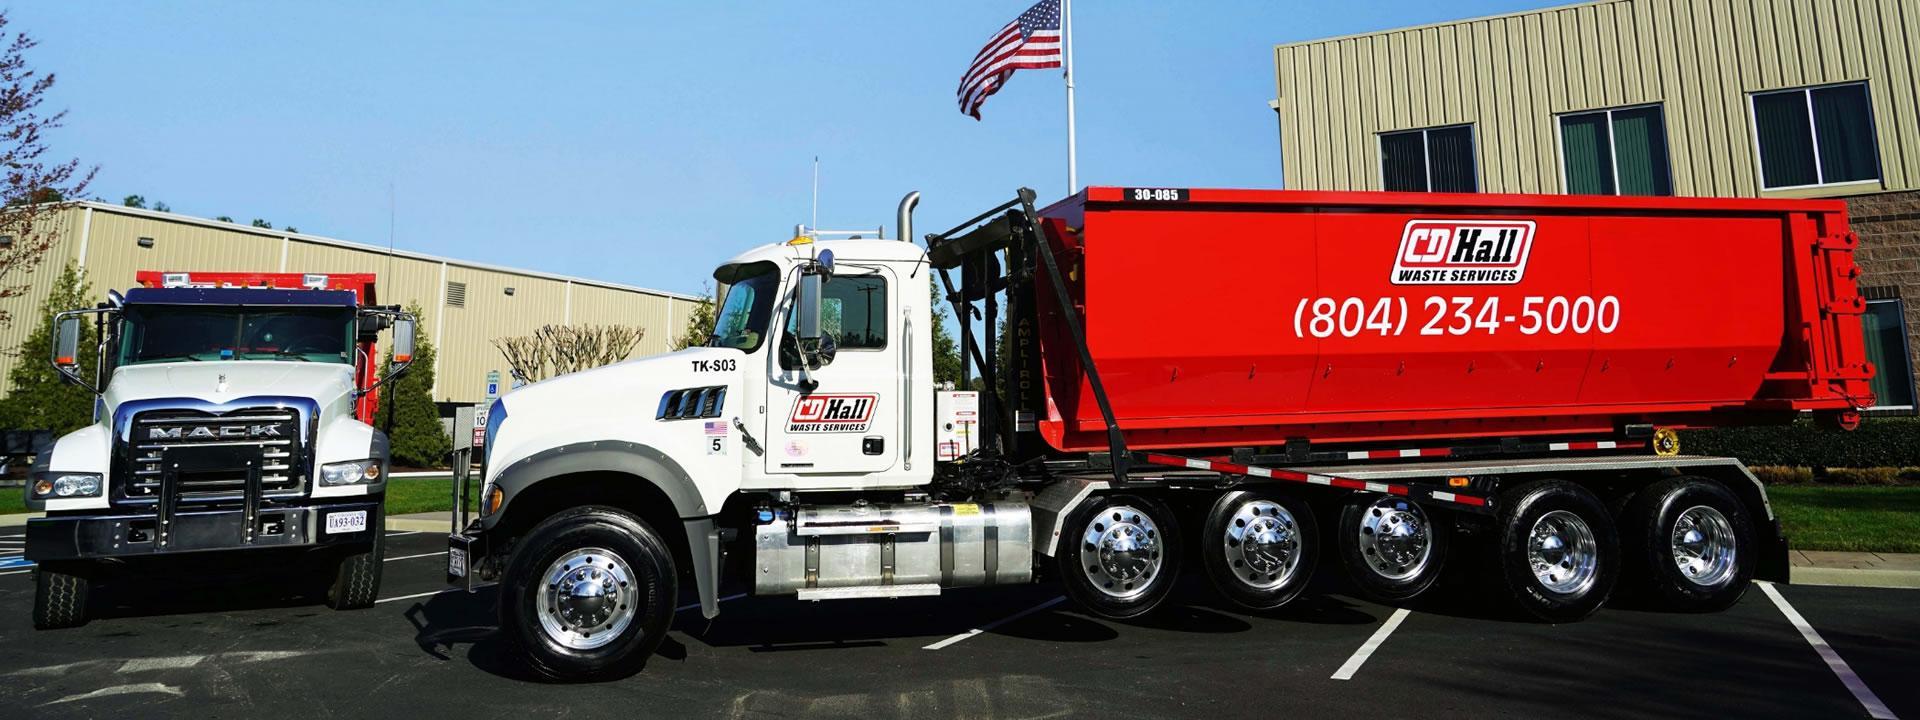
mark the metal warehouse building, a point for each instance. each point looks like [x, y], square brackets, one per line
[1717, 98]
[467, 304]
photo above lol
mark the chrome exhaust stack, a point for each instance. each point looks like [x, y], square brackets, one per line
[904, 218]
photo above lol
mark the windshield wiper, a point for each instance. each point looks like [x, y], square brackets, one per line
[163, 358]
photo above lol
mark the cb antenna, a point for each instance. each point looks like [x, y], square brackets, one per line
[815, 225]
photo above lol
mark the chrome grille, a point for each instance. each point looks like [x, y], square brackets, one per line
[268, 436]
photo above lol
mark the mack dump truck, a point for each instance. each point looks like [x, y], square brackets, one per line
[233, 431]
[1238, 383]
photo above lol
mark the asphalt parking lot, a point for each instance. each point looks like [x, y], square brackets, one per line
[243, 648]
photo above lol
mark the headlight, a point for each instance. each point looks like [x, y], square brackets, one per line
[349, 473]
[67, 485]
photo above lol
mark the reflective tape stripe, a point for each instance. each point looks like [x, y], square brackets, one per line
[1310, 478]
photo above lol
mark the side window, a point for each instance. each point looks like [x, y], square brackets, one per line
[853, 314]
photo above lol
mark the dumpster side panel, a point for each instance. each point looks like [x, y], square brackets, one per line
[1253, 317]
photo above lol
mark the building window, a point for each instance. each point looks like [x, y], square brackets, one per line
[1886, 327]
[1431, 160]
[1815, 136]
[1616, 152]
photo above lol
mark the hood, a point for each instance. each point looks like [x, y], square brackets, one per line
[224, 381]
[620, 388]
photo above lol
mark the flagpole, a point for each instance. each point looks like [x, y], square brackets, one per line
[1066, 37]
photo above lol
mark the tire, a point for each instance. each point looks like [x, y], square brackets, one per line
[60, 597]
[602, 570]
[1122, 556]
[1393, 548]
[1693, 545]
[356, 577]
[1260, 548]
[1567, 528]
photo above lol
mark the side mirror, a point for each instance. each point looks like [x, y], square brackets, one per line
[403, 340]
[66, 344]
[809, 309]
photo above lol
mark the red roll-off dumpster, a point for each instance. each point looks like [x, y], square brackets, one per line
[1255, 317]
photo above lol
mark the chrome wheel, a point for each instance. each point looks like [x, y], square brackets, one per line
[1703, 547]
[1263, 544]
[1395, 539]
[1121, 551]
[1562, 553]
[586, 598]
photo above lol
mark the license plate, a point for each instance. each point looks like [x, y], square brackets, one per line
[346, 522]
[456, 562]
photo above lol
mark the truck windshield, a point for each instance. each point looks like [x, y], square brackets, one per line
[742, 321]
[175, 333]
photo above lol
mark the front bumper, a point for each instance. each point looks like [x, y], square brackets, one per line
[127, 535]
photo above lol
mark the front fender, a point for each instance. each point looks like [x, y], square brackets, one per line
[611, 456]
[87, 450]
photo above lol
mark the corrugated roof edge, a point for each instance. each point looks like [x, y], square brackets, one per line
[1445, 23]
[336, 242]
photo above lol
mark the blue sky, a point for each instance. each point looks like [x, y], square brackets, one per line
[642, 142]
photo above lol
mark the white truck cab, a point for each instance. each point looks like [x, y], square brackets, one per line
[231, 425]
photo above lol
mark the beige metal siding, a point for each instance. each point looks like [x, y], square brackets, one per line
[463, 335]
[24, 309]
[1511, 76]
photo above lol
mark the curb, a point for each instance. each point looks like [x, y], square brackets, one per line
[417, 525]
[1850, 577]
[393, 524]
[1801, 575]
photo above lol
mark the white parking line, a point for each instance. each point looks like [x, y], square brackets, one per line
[403, 532]
[421, 555]
[416, 595]
[17, 572]
[735, 596]
[1373, 643]
[997, 623]
[1865, 696]
[683, 608]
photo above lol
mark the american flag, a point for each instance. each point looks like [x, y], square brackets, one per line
[1030, 42]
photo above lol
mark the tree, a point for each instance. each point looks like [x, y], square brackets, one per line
[946, 351]
[161, 207]
[699, 322]
[408, 412]
[32, 189]
[38, 398]
[223, 218]
[135, 201]
[292, 229]
[257, 222]
[560, 349]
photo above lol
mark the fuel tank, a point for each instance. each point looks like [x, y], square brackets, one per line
[1254, 317]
